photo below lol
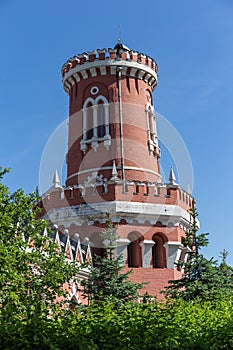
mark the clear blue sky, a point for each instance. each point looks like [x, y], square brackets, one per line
[192, 44]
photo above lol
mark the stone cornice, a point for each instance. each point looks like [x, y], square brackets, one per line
[133, 64]
[129, 211]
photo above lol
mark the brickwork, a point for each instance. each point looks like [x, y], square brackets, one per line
[113, 165]
[157, 279]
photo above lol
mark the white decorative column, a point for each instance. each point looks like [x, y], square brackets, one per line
[173, 253]
[94, 143]
[148, 124]
[84, 112]
[152, 123]
[146, 246]
[122, 245]
[106, 118]
[107, 137]
[83, 145]
[95, 120]
[184, 253]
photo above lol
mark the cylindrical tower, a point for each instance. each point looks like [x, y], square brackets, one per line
[112, 120]
[113, 167]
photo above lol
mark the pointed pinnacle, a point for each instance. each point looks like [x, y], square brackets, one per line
[56, 180]
[172, 177]
[114, 172]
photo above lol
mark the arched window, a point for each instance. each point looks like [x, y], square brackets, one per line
[95, 123]
[134, 250]
[159, 251]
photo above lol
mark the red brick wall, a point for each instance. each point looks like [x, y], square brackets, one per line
[157, 279]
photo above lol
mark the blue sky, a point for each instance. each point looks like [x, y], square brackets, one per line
[192, 44]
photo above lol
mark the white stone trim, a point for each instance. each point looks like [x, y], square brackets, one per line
[124, 70]
[118, 210]
[84, 74]
[140, 74]
[146, 77]
[152, 80]
[122, 248]
[173, 253]
[118, 168]
[106, 116]
[67, 85]
[146, 246]
[71, 80]
[76, 77]
[133, 72]
[102, 64]
[93, 72]
[101, 98]
[113, 70]
[103, 70]
[94, 141]
[107, 63]
[143, 169]
[89, 99]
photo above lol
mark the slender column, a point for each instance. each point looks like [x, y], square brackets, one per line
[148, 124]
[122, 248]
[95, 120]
[84, 111]
[152, 125]
[173, 252]
[154, 132]
[106, 118]
[146, 246]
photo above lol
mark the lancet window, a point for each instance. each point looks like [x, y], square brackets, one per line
[95, 115]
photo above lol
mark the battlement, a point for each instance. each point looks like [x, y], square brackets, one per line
[94, 63]
[136, 191]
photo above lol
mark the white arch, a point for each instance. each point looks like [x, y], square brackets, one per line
[100, 98]
[88, 100]
[95, 101]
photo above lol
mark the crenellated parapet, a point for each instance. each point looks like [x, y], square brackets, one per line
[104, 62]
[103, 192]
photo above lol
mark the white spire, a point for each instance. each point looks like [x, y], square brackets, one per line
[114, 172]
[172, 177]
[56, 180]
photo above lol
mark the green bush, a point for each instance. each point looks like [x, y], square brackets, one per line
[177, 325]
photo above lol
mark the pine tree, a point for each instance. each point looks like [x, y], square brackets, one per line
[202, 277]
[107, 279]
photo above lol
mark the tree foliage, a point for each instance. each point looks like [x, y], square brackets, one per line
[107, 278]
[186, 325]
[32, 273]
[202, 277]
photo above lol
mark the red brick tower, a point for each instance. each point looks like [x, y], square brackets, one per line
[113, 167]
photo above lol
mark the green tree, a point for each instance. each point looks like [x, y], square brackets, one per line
[202, 277]
[32, 272]
[107, 279]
